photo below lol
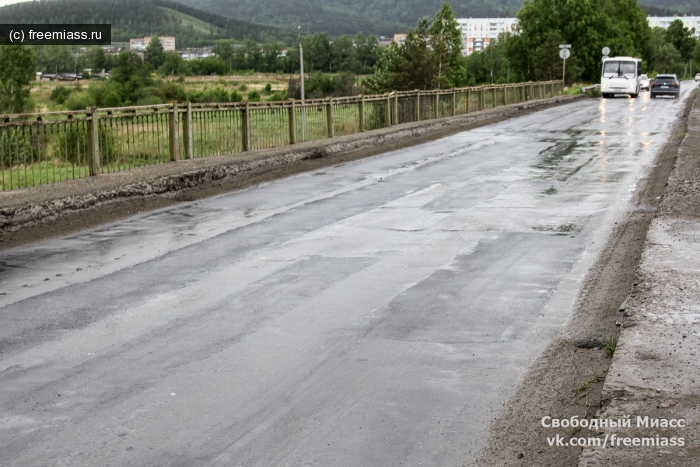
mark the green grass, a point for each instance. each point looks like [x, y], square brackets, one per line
[187, 20]
[596, 378]
[611, 345]
[575, 89]
[41, 173]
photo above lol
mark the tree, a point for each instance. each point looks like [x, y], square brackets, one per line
[174, 65]
[224, 50]
[54, 59]
[96, 59]
[668, 60]
[155, 55]
[420, 61]
[344, 54]
[588, 25]
[682, 39]
[446, 43]
[17, 72]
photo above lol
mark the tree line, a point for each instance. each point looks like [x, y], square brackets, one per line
[431, 55]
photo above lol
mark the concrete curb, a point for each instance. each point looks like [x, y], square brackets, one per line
[36, 205]
[655, 371]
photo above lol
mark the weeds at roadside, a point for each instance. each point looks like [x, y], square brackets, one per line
[611, 345]
[586, 387]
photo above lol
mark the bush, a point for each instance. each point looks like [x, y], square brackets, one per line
[221, 81]
[236, 96]
[171, 92]
[149, 100]
[15, 147]
[60, 93]
[79, 101]
[278, 96]
[243, 88]
[210, 95]
[74, 145]
[254, 96]
[111, 99]
[268, 88]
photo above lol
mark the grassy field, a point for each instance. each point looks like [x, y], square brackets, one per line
[187, 20]
[242, 83]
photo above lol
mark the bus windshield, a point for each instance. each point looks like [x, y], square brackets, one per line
[615, 69]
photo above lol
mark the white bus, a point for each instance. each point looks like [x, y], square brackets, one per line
[621, 75]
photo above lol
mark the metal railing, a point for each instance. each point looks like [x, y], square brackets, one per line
[43, 148]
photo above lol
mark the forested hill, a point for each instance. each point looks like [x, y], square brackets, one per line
[689, 7]
[337, 17]
[134, 18]
[381, 17]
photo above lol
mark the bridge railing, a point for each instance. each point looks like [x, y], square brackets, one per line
[49, 147]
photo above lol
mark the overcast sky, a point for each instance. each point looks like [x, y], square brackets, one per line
[7, 2]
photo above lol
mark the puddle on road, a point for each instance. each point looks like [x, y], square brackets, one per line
[562, 229]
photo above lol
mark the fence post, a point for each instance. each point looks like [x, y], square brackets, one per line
[387, 116]
[417, 106]
[437, 105]
[292, 123]
[188, 132]
[94, 142]
[329, 118]
[245, 123]
[362, 113]
[454, 102]
[469, 100]
[396, 109]
[174, 134]
[505, 95]
[482, 104]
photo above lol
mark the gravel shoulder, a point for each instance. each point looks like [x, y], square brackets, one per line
[655, 370]
[47, 211]
[569, 378]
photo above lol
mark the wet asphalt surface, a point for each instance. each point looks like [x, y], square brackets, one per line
[376, 313]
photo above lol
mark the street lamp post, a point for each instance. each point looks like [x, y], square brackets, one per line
[301, 69]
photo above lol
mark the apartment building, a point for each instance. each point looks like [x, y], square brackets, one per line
[664, 22]
[477, 33]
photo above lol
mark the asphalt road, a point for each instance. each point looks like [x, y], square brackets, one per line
[376, 313]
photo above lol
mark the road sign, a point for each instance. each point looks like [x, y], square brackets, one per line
[606, 50]
[565, 53]
[565, 46]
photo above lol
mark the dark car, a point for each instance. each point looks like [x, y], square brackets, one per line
[665, 85]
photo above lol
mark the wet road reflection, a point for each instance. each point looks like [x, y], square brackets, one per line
[267, 326]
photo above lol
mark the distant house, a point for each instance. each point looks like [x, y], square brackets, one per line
[384, 42]
[139, 44]
[400, 39]
[196, 53]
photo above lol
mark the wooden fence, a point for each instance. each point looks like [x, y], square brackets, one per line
[43, 148]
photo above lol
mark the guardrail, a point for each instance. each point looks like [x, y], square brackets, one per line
[43, 148]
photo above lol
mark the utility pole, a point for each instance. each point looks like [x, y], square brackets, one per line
[301, 69]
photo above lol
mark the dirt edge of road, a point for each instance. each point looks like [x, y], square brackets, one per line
[567, 379]
[655, 367]
[49, 211]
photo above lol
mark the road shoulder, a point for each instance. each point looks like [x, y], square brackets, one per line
[655, 372]
[567, 379]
